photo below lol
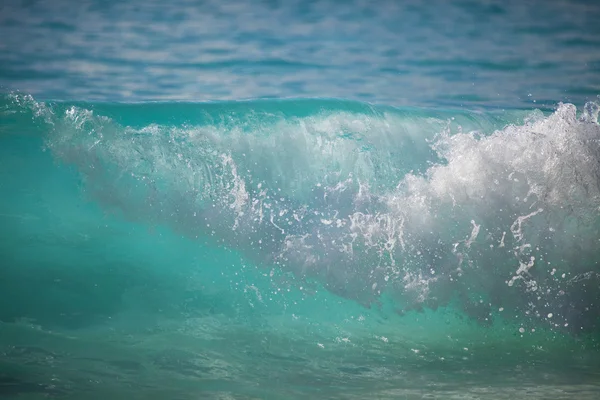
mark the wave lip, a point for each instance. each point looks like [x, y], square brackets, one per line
[488, 211]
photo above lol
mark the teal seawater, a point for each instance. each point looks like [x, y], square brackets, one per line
[299, 199]
[292, 248]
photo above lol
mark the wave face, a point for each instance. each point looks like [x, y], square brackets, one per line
[401, 212]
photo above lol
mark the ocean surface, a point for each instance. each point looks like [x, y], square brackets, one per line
[299, 200]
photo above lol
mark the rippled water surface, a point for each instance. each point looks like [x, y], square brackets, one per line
[472, 53]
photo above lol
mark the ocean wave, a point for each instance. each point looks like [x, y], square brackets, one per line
[496, 212]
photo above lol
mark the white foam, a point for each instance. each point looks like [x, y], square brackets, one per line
[329, 197]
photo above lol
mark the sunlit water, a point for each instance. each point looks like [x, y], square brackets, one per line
[408, 206]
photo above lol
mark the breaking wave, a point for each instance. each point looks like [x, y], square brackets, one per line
[497, 213]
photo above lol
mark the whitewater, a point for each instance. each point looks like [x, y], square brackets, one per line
[222, 244]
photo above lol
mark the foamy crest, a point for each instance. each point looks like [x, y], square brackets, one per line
[485, 218]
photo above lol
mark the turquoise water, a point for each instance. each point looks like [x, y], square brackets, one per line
[345, 201]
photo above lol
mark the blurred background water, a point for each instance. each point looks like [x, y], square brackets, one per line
[399, 208]
[472, 53]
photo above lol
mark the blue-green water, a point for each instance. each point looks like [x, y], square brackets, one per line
[453, 53]
[441, 240]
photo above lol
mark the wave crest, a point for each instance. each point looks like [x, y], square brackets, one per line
[487, 211]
